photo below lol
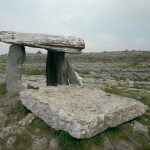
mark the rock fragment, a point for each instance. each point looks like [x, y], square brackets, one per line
[27, 120]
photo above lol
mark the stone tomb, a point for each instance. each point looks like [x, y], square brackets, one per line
[58, 71]
[82, 112]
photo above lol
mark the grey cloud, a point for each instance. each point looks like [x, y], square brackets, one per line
[104, 24]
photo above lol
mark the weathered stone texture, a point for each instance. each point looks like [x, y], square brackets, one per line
[66, 44]
[73, 77]
[80, 111]
[54, 144]
[16, 58]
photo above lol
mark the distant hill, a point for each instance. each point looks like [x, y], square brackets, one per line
[92, 57]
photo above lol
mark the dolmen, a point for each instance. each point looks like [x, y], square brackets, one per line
[64, 103]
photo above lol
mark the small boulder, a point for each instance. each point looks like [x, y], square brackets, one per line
[11, 140]
[138, 127]
[5, 132]
[120, 144]
[107, 144]
[27, 120]
[40, 143]
[54, 144]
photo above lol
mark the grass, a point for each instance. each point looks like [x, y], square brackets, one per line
[38, 69]
[145, 99]
[123, 131]
[2, 67]
[34, 70]
[113, 89]
[38, 127]
[144, 119]
[2, 89]
[19, 111]
[144, 87]
[69, 143]
[23, 141]
[19, 108]
[135, 93]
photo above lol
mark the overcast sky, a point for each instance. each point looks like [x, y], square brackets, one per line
[105, 25]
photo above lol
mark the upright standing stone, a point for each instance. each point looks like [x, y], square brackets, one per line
[56, 68]
[16, 58]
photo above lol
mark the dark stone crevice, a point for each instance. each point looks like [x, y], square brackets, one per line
[56, 72]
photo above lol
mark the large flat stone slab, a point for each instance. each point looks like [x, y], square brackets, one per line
[66, 44]
[80, 111]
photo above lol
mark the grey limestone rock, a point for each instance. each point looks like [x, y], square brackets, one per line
[107, 144]
[11, 140]
[73, 77]
[27, 120]
[40, 143]
[54, 144]
[120, 144]
[83, 112]
[14, 68]
[137, 126]
[64, 44]
[5, 132]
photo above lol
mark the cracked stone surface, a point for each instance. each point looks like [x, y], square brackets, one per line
[82, 112]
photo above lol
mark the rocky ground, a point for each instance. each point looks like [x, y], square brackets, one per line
[126, 74]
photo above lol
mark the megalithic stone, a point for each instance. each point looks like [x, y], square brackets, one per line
[73, 77]
[56, 69]
[65, 44]
[16, 58]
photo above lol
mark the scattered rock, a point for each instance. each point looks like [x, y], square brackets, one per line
[39, 143]
[130, 83]
[54, 144]
[136, 141]
[34, 81]
[137, 126]
[120, 144]
[5, 132]
[30, 86]
[27, 120]
[37, 131]
[2, 117]
[83, 112]
[11, 140]
[107, 144]
[6, 102]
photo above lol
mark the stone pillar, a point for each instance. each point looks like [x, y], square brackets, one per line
[16, 58]
[56, 68]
